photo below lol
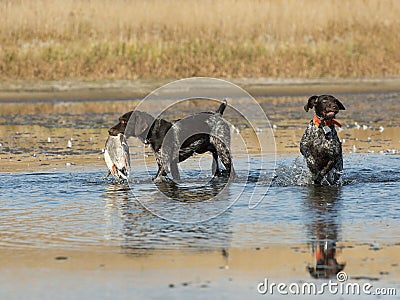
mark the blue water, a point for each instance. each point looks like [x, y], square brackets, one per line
[80, 208]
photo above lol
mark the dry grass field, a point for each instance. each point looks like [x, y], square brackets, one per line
[113, 39]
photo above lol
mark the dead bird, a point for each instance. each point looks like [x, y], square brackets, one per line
[116, 156]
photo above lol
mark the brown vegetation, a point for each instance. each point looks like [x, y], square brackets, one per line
[54, 39]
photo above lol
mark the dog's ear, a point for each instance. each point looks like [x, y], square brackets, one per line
[139, 123]
[312, 101]
[125, 117]
[339, 104]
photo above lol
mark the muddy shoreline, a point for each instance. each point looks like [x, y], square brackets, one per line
[38, 119]
[135, 90]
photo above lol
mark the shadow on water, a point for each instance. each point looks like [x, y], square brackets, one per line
[139, 230]
[192, 192]
[322, 206]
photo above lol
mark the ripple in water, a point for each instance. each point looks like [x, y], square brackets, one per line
[81, 208]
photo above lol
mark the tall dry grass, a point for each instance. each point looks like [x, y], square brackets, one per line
[95, 39]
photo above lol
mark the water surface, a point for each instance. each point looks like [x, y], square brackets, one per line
[80, 208]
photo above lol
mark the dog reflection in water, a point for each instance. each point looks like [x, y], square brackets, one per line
[322, 205]
[116, 155]
[326, 264]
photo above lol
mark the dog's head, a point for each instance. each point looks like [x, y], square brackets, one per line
[133, 123]
[326, 106]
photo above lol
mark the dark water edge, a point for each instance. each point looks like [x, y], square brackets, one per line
[74, 90]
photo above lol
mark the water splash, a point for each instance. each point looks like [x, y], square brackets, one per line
[294, 173]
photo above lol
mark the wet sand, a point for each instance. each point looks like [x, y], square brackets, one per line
[37, 122]
[104, 273]
[31, 144]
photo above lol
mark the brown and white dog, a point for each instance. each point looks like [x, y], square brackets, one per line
[320, 144]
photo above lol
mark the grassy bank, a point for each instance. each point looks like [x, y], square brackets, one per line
[53, 40]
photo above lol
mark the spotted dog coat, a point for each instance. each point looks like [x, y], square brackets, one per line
[176, 141]
[320, 144]
[325, 158]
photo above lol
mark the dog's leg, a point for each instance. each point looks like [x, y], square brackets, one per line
[227, 162]
[303, 150]
[311, 164]
[161, 170]
[175, 170]
[170, 150]
[225, 156]
[304, 143]
[215, 165]
[220, 140]
[318, 178]
[324, 171]
[336, 172]
[335, 162]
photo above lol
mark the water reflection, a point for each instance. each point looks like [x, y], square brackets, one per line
[137, 230]
[190, 202]
[196, 192]
[322, 205]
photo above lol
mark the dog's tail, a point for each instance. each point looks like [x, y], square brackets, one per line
[222, 107]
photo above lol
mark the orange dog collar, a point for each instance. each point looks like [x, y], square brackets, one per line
[318, 121]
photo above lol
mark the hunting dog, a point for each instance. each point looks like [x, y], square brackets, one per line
[320, 144]
[176, 141]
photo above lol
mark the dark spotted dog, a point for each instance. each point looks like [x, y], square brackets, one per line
[176, 141]
[320, 144]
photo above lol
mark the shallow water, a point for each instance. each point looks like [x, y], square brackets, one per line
[76, 209]
[54, 195]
